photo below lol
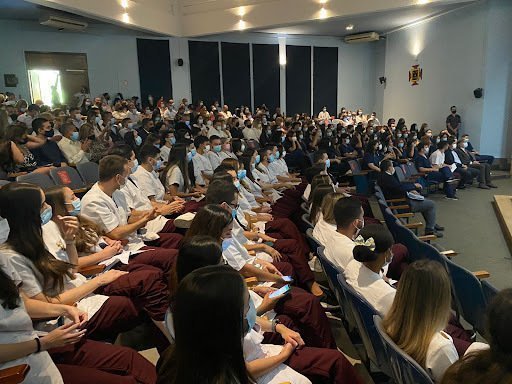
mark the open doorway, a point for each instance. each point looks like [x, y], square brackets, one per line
[45, 85]
[55, 77]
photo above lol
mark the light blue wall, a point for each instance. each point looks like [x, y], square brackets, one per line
[458, 52]
[111, 57]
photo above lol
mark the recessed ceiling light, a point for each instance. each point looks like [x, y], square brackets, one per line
[323, 1]
[349, 27]
[242, 25]
[421, 2]
[126, 18]
[124, 3]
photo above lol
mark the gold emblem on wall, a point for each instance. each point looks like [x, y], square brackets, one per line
[415, 74]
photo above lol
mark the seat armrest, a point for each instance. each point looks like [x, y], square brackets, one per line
[481, 274]
[402, 206]
[402, 215]
[14, 375]
[401, 200]
[413, 225]
[449, 253]
[427, 237]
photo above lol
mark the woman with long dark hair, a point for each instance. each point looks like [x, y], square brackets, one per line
[51, 279]
[175, 177]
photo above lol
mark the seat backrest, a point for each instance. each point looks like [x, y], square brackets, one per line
[68, 177]
[378, 193]
[39, 179]
[363, 313]
[4, 182]
[306, 220]
[304, 207]
[89, 172]
[410, 169]
[354, 166]
[405, 369]
[489, 291]
[469, 294]
[314, 244]
[400, 173]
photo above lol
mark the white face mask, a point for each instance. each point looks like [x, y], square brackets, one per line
[207, 148]
[358, 229]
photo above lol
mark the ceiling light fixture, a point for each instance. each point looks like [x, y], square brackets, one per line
[323, 1]
[124, 4]
[126, 18]
[242, 25]
[422, 2]
[349, 27]
[323, 13]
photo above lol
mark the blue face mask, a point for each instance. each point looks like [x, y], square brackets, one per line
[242, 174]
[189, 156]
[98, 119]
[173, 140]
[138, 140]
[257, 159]
[282, 139]
[233, 213]
[46, 216]
[112, 121]
[187, 123]
[277, 154]
[226, 243]
[74, 136]
[157, 145]
[158, 165]
[250, 317]
[237, 185]
[327, 163]
[271, 159]
[77, 206]
[217, 148]
[193, 152]
[135, 165]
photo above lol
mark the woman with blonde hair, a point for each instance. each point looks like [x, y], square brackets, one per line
[326, 224]
[419, 313]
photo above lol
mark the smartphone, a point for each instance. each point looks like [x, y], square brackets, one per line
[60, 321]
[111, 265]
[103, 245]
[288, 279]
[281, 291]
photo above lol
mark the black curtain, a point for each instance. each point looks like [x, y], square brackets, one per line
[204, 71]
[236, 74]
[298, 79]
[325, 79]
[154, 69]
[266, 78]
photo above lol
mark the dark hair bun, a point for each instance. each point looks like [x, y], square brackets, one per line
[364, 254]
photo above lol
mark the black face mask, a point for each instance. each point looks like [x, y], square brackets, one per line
[49, 133]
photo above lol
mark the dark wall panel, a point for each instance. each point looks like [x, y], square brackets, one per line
[266, 78]
[204, 71]
[154, 69]
[325, 79]
[298, 79]
[236, 74]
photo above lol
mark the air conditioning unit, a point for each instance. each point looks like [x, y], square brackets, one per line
[62, 23]
[362, 38]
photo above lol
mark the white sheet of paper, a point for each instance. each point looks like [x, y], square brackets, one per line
[123, 257]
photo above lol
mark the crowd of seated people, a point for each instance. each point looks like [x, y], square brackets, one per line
[193, 226]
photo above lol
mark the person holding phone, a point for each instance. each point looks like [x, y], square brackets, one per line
[219, 294]
[63, 355]
[299, 306]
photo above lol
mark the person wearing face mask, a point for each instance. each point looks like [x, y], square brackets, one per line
[169, 141]
[324, 115]
[373, 156]
[226, 152]
[453, 122]
[469, 160]
[349, 216]
[203, 169]
[146, 128]
[435, 173]
[466, 174]
[146, 175]
[372, 252]
[393, 189]
[74, 151]
[249, 132]
[481, 158]
[49, 152]
[216, 149]
[29, 115]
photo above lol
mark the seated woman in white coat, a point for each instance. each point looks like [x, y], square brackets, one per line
[418, 315]
[326, 224]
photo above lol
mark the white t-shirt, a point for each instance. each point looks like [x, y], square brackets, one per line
[201, 164]
[214, 158]
[370, 285]
[323, 231]
[33, 279]
[338, 249]
[16, 327]
[149, 183]
[437, 157]
[109, 212]
[135, 199]
[175, 177]
[254, 349]
[251, 133]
